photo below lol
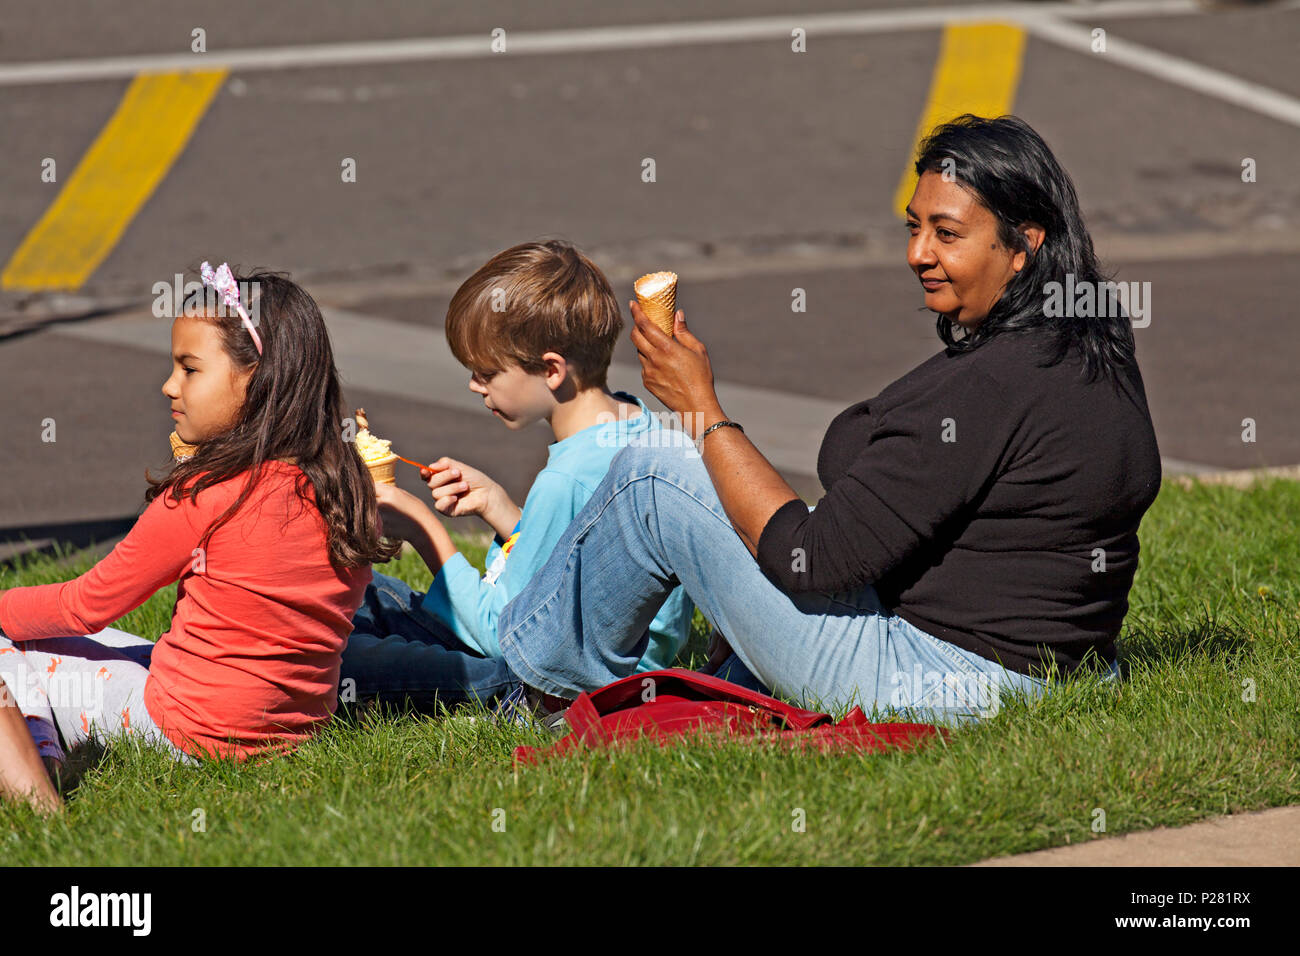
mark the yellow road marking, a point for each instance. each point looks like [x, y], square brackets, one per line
[977, 72]
[115, 178]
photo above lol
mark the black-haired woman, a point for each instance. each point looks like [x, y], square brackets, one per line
[979, 528]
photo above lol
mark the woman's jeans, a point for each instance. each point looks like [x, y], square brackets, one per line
[399, 653]
[656, 521]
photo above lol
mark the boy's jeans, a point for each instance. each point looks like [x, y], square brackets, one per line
[655, 520]
[398, 652]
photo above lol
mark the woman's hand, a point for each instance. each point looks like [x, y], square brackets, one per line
[401, 513]
[676, 370]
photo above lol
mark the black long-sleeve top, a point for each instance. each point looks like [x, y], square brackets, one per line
[993, 503]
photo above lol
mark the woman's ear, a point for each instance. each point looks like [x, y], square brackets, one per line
[1033, 235]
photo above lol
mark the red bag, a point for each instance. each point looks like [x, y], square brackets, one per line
[669, 703]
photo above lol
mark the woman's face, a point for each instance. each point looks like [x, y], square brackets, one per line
[955, 251]
[206, 392]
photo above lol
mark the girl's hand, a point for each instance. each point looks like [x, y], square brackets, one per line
[401, 513]
[460, 490]
[676, 369]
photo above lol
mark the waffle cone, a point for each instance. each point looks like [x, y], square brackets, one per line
[384, 471]
[660, 307]
[181, 449]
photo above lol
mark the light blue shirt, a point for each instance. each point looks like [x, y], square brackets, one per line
[471, 603]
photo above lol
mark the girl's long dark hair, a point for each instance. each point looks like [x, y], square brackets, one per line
[293, 409]
[1009, 170]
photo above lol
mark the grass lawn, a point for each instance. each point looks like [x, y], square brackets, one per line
[1207, 722]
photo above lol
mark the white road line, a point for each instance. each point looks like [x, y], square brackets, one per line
[526, 42]
[413, 362]
[1172, 69]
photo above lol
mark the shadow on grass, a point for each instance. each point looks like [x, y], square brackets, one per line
[370, 711]
[81, 760]
[1207, 639]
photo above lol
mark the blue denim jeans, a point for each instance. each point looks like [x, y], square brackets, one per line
[398, 653]
[656, 520]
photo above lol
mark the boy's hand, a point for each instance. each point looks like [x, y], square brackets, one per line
[459, 490]
[718, 650]
[400, 512]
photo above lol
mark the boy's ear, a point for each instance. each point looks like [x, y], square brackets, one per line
[557, 369]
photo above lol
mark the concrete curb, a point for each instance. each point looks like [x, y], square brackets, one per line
[1242, 478]
[1264, 838]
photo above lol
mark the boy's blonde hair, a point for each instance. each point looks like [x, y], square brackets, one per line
[533, 298]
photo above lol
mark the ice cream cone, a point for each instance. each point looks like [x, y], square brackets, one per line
[180, 449]
[384, 471]
[657, 293]
[375, 452]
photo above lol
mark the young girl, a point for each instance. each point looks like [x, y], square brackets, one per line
[22, 775]
[270, 529]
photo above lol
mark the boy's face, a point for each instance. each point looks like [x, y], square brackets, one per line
[515, 397]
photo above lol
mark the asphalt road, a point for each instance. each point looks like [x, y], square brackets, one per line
[774, 171]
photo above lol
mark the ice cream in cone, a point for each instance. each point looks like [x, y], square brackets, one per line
[182, 450]
[657, 293]
[375, 452]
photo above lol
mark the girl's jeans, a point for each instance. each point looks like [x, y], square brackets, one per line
[79, 687]
[399, 653]
[656, 521]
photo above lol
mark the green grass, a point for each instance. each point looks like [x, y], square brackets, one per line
[1216, 605]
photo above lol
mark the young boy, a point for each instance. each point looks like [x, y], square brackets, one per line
[536, 325]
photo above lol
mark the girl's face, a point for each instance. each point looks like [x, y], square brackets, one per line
[206, 392]
[518, 398]
[955, 250]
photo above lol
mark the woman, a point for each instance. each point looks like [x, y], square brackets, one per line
[979, 527]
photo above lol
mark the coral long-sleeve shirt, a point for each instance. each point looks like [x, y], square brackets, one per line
[250, 663]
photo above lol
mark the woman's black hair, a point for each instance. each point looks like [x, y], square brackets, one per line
[1010, 171]
[293, 408]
